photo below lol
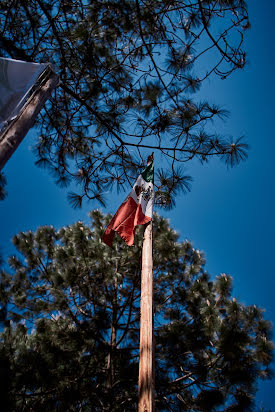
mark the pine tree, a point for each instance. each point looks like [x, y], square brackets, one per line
[128, 70]
[71, 336]
[3, 182]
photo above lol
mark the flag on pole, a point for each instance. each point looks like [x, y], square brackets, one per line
[137, 209]
[16, 80]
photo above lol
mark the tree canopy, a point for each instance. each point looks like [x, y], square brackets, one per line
[70, 307]
[128, 70]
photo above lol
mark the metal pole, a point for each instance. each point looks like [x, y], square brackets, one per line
[146, 357]
[16, 132]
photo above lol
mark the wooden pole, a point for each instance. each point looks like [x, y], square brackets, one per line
[146, 354]
[16, 132]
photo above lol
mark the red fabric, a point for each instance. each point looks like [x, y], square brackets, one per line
[124, 222]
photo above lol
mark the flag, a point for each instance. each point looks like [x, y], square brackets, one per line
[16, 80]
[137, 209]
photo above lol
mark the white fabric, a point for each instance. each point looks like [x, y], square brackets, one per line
[146, 196]
[16, 79]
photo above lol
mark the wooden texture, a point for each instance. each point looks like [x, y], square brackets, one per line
[18, 129]
[146, 357]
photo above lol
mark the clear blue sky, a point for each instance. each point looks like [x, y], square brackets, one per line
[229, 213]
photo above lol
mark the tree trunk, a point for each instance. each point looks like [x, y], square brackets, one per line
[110, 360]
[16, 132]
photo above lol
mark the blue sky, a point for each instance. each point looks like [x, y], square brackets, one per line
[229, 214]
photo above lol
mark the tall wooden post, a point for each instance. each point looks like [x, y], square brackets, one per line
[16, 132]
[146, 357]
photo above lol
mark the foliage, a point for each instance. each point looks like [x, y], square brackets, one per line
[3, 183]
[71, 340]
[127, 72]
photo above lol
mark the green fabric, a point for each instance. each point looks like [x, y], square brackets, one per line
[148, 173]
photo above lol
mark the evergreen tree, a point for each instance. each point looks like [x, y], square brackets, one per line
[3, 182]
[128, 70]
[71, 337]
